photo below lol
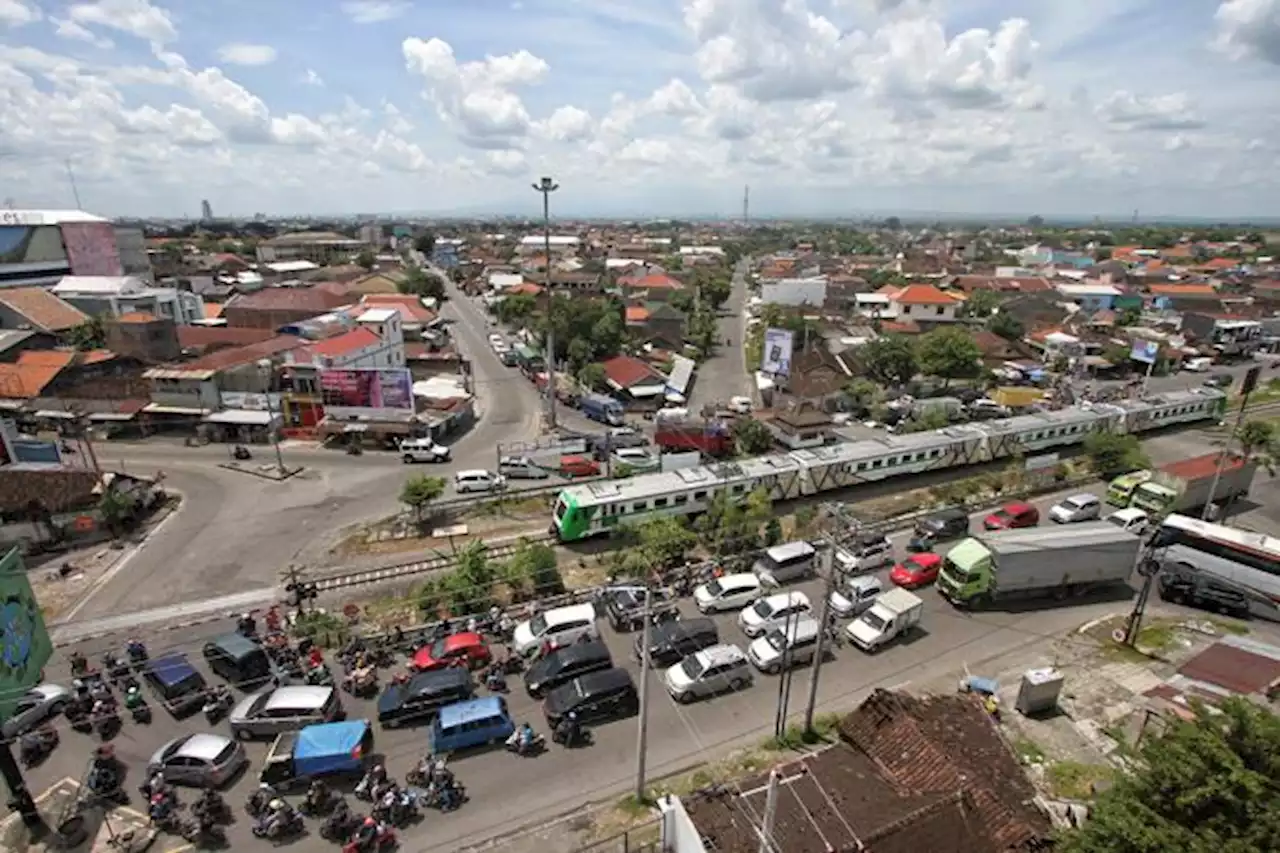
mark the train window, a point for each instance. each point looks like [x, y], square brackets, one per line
[935, 453]
[876, 463]
[681, 500]
[657, 502]
[739, 489]
[699, 496]
[638, 506]
[862, 466]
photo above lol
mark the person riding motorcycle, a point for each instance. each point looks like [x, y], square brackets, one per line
[260, 798]
[522, 738]
[209, 807]
[569, 730]
[161, 808]
[317, 796]
[494, 679]
[371, 783]
[79, 664]
[366, 834]
[136, 650]
[277, 818]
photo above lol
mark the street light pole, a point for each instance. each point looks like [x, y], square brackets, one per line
[547, 186]
[266, 367]
[642, 732]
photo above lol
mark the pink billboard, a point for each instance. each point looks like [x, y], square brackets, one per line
[386, 388]
[91, 248]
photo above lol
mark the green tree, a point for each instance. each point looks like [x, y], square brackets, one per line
[1260, 441]
[89, 335]
[1129, 317]
[665, 542]
[862, 394]
[889, 360]
[117, 510]
[592, 376]
[950, 353]
[418, 492]
[752, 437]
[515, 309]
[425, 243]
[579, 354]
[476, 574]
[1113, 455]
[1006, 326]
[366, 259]
[1206, 785]
[981, 304]
[422, 283]
[537, 561]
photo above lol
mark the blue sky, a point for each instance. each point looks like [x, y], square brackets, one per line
[664, 107]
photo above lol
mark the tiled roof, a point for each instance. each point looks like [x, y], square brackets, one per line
[34, 370]
[96, 356]
[42, 309]
[625, 371]
[1183, 290]
[136, 317]
[526, 288]
[410, 307]
[655, 281]
[340, 345]
[319, 299]
[199, 337]
[637, 313]
[224, 359]
[923, 294]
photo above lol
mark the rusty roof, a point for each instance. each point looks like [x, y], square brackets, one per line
[34, 370]
[225, 359]
[199, 337]
[1201, 466]
[1241, 666]
[42, 309]
[320, 299]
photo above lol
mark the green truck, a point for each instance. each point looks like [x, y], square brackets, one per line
[1037, 562]
[1184, 486]
[1120, 490]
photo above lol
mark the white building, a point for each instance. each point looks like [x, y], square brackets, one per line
[795, 291]
[534, 243]
[116, 295]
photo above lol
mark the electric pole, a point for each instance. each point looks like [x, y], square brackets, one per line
[547, 186]
[1246, 388]
[642, 732]
[827, 567]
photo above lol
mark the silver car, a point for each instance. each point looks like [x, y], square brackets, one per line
[39, 704]
[1082, 507]
[284, 709]
[200, 760]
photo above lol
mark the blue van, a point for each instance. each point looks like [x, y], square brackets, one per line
[471, 723]
[179, 685]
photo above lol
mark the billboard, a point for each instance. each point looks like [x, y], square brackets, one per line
[365, 391]
[777, 352]
[30, 244]
[1145, 351]
[25, 647]
[91, 248]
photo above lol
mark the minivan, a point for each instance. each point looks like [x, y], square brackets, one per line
[728, 592]
[673, 641]
[868, 552]
[594, 697]
[422, 694]
[558, 626]
[478, 480]
[565, 664]
[786, 563]
[521, 468]
[941, 526]
[284, 709]
[1082, 507]
[475, 722]
[768, 613]
[238, 659]
[1012, 517]
[713, 670]
[786, 645]
[854, 595]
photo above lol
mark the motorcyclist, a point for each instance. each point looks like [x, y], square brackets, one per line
[317, 795]
[366, 833]
[494, 679]
[79, 665]
[278, 817]
[247, 626]
[522, 738]
[161, 809]
[136, 650]
[569, 729]
[259, 799]
[372, 781]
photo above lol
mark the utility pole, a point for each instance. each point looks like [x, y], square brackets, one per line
[1246, 388]
[547, 186]
[828, 563]
[770, 813]
[642, 732]
[20, 796]
[267, 368]
[784, 684]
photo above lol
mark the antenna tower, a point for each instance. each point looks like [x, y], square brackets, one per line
[746, 205]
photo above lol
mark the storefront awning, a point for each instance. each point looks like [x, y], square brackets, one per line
[112, 416]
[157, 409]
[56, 414]
[242, 417]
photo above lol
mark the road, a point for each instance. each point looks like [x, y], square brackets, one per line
[508, 793]
[236, 532]
[724, 374]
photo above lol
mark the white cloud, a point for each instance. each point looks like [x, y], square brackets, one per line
[1177, 142]
[311, 78]
[183, 125]
[1249, 29]
[509, 162]
[68, 29]
[566, 124]
[16, 13]
[135, 17]
[294, 129]
[396, 121]
[374, 11]
[240, 53]
[1159, 112]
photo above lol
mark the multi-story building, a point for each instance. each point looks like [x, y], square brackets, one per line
[117, 295]
[39, 247]
[322, 247]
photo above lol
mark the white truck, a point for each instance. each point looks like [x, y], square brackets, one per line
[892, 615]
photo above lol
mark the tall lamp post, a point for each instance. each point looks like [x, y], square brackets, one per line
[546, 186]
[268, 369]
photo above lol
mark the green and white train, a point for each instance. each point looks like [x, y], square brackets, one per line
[599, 507]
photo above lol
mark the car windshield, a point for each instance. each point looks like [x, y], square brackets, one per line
[762, 609]
[225, 754]
[692, 667]
[538, 625]
[776, 640]
[560, 508]
[437, 649]
[1001, 515]
[714, 587]
[1078, 503]
[873, 620]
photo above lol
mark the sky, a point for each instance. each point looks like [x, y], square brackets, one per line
[643, 107]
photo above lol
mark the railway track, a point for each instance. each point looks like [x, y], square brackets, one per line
[399, 571]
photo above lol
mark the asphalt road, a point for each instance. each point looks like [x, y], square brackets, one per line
[508, 792]
[724, 374]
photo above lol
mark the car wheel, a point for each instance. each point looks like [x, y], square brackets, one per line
[737, 684]
[773, 669]
[408, 460]
[684, 698]
[244, 734]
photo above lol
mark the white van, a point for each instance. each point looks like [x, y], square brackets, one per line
[423, 450]
[789, 646]
[729, 592]
[772, 612]
[478, 480]
[786, 563]
[559, 626]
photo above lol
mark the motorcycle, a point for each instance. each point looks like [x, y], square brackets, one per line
[383, 838]
[571, 737]
[211, 808]
[361, 682]
[340, 823]
[267, 826]
[241, 452]
[370, 787]
[446, 797]
[315, 804]
[106, 719]
[256, 805]
[115, 667]
[78, 713]
[320, 676]
[495, 681]
[35, 746]
[137, 653]
[217, 703]
[354, 450]
[397, 808]
[137, 705]
[205, 834]
[534, 747]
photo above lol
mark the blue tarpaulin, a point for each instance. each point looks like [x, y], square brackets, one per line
[330, 748]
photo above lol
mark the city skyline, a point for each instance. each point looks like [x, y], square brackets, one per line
[827, 108]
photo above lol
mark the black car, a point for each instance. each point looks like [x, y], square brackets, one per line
[940, 526]
[672, 642]
[1182, 584]
[565, 664]
[422, 695]
[624, 605]
[596, 697]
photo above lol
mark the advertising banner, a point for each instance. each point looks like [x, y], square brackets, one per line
[367, 390]
[25, 647]
[777, 352]
[91, 248]
[1145, 351]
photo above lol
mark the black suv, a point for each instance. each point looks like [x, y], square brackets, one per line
[940, 526]
[624, 605]
[672, 642]
[596, 697]
[419, 698]
[565, 664]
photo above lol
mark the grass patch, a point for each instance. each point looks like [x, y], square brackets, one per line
[795, 737]
[636, 807]
[1028, 751]
[1228, 626]
[1157, 637]
[1074, 780]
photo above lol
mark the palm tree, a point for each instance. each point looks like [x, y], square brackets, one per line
[1260, 441]
[116, 509]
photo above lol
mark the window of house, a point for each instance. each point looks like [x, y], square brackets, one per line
[942, 309]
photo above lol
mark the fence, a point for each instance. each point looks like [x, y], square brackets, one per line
[640, 839]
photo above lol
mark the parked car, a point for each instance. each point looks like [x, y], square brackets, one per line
[478, 480]
[772, 612]
[729, 592]
[624, 606]
[558, 626]
[579, 466]
[521, 468]
[868, 552]
[718, 669]
[280, 709]
[637, 459]
[466, 649]
[423, 450]
[1132, 519]
[917, 570]
[854, 595]
[671, 642]
[941, 526]
[425, 693]
[1012, 516]
[199, 760]
[40, 703]
[595, 697]
[565, 664]
[1082, 507]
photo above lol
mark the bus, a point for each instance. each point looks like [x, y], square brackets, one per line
[1244, 560]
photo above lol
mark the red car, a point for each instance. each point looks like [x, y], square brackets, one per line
[917, 570]
[1011, 516]
[579, 466]
[466, 649]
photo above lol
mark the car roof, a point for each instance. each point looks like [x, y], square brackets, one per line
[297, 696]
[459, 713]
[205, 747]
[780, 599]
[570, 612]
[683, 627]
[1015, 507]
[1083, 497]
[605, 680]
[924, 558]
[581, 651]
[720, 654]
[171, 668]
[800, 626]
[49, 691]
[739, 579]
[462, 640]
[236, 644]
[435, 681]
[472, 472]
[950, 512]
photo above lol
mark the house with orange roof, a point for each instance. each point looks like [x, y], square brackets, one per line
[39, 310]
[925, 303]
[654, 287]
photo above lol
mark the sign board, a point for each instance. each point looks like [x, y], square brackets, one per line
[1251, 379]
[367, 392]
[25, 647]
[21, 217]
[1145, 351]
[250, 402]
[776, 359]
[1041, 462]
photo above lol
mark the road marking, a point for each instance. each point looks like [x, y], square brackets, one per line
[72, 632]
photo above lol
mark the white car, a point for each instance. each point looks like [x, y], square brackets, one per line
[1132, 519]
[1076, 508]
[39, 704]
[730, 592]
[740, 405]
[478, 480]
[423, 450]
